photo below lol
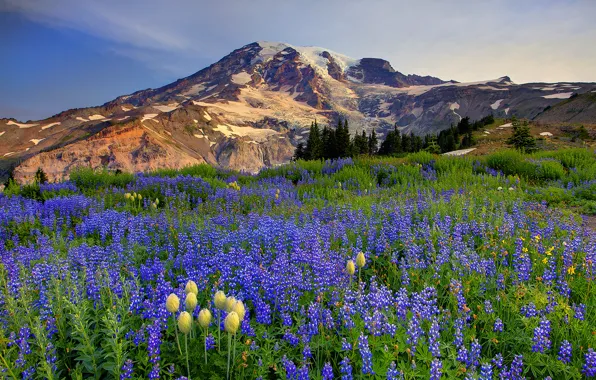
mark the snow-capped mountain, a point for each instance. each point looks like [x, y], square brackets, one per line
[251, 108]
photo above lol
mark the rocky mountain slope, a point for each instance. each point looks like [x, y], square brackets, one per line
[251, 108]
[577, 109]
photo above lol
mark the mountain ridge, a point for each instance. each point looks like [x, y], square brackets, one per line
[249, 109]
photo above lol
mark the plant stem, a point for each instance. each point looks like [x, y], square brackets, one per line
[186, 348]
[219, 331]
[177, 337]
[206, 331]
[229, 349]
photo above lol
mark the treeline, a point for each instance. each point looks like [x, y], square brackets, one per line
[331, 143]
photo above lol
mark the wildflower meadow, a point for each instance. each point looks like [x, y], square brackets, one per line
[419, 267]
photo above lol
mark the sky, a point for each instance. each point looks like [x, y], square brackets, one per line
[62, 54]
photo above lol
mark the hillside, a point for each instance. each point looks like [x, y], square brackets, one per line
[577, 109]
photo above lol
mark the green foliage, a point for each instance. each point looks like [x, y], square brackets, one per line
[89, 179]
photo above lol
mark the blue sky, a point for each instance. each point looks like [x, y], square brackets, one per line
[61, 54]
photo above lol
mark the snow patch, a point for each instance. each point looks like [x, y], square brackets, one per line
[508, 125]
[311, 55]
[506, 111]
[166, 108]
[36, 141]
[460, 152]
[81, 119]
[259, 134]
[496, 104]
[548, 134]
[123, 118]
[96, 117]
[50, 125]
[241, 78]
[148, 116]
[560, 95]
[207, 116]
[3, 132]
[8, 154]
[20, 125]
[453, 107]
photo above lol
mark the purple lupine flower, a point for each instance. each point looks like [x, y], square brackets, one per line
[433, 339]
[579, 311]
[498, 327]
[475, 351]
[393, 373]
[565, 352]
[498, 361]
[303, 373]
[210, 342]
[486, 372]
[345, 346]
[126, 370]
[345, 369]
[436, 369]
[366, 354]
[589, 367]
[542, 336]
[327, 372]
[488, 307]
[290, 368]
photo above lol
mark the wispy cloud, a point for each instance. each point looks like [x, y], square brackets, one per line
[529, 40]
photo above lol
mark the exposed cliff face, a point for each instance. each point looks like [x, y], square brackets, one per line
[248, 111]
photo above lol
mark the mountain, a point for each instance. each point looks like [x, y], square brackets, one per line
[251, 108]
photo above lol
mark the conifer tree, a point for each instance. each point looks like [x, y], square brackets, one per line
[521, 138]
[314, 144]
[40, 176]
[372, 143]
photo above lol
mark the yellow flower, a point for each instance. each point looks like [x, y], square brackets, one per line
[524, 249]
[191, 287]
[360, 260]
[239, 309]
[191, 302]
[219, 299]
[230, 301]
[350, 267]
[184, 322]
[571, 270]
[545, 260]
[204, 318]
[232, 322]
[172, 303]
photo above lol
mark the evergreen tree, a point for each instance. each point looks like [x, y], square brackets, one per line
[392, 143]
[406, 144]
[372, 143]
[299, 153]
[521, 138]
[314, 144]
[40, 176]
[431, 145]
[328, 140]
[342, 139]
[360, 143]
